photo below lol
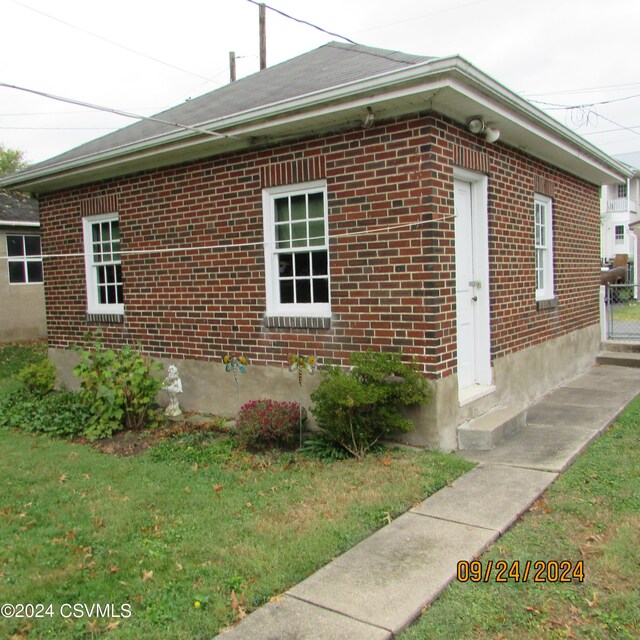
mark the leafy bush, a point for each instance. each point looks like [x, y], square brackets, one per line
[38, 378]
[321, 447]
[60, 413]
[360, 408]
[119, 387]
[268, 423]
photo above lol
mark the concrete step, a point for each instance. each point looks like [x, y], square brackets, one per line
[619, 358]
[624, 346]
[485, 432]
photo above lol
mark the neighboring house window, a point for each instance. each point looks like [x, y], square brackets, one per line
[297, 250]
[619, 234]
[622, 191]
[24, 259]
[102, 264]
[544, 247]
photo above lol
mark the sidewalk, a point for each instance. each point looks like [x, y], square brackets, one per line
[379, 587]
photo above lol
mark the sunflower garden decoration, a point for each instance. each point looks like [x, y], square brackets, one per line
[302, 364]
[237, 365]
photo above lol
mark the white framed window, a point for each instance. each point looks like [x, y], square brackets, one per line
[297, 250]
[24, 259]
[621, 190]
[543, 219]
[619, 233]
[103, 264]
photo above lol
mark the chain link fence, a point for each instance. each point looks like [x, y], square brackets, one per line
[622, 312]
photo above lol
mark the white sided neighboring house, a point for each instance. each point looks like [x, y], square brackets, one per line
[621, 219]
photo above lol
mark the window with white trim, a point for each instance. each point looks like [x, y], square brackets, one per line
[103, 264]
[621, 190]
[24, 259]
[297, 250]
[619, 233]
[543, 247]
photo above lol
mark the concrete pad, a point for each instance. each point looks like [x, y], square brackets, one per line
[292, 619]
[388, 578]
[548, 448]
[490, 496]
[550, 412]
[607, 398]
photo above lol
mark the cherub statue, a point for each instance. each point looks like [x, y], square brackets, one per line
[173, 386]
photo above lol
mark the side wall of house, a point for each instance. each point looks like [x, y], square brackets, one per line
[22, 312]
[392, 260]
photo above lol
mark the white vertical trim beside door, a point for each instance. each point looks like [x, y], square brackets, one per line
[478, 234]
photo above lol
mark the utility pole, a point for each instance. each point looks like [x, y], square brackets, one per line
[263, 37]
[232, 66]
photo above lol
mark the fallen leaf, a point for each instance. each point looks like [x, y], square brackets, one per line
[112, 625]
[593, 603]
[94, 626]
[386, 462]
[63, 478]
[179, 567]
[113, 569]
[218, 487]
[147, 575]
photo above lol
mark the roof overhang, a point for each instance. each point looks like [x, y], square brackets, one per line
[450, 86]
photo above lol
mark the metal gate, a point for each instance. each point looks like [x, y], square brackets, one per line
[622, 312]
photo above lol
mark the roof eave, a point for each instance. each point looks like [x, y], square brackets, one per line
[523, 123]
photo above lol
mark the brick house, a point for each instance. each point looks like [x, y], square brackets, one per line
[350, 198]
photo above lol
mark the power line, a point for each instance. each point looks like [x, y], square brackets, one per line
[256, 243]
[581, 106]
[309, 24]
[126, 114]
[112, 42]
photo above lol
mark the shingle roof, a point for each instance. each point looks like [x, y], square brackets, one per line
[18, 208]
[331, 65]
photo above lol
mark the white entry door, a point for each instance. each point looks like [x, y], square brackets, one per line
[472, 286]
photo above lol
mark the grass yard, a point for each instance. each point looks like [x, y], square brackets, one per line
[187, 537]
[591, 513]
[627, 311]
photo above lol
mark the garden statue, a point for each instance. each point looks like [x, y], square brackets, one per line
[173, 386]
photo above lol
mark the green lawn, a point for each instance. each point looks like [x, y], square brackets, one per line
[590, 514]
[189, 536]
[626, 311]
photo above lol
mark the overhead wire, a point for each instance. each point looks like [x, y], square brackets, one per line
[305, 22]
[114, 43]
[119, 112]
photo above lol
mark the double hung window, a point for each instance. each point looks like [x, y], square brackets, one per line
[103, 264]
[297, 250]
[543, 247]
[24, 258]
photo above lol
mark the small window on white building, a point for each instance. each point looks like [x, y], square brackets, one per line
[543, 247]
[297, 250]
[24, 259]
[621, 190]
[619, 234]
[103, 264]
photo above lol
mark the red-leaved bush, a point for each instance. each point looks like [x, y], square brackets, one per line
[268, 423]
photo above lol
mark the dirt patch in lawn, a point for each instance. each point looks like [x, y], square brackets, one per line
[135, 442]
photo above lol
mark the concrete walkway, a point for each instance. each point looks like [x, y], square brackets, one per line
[379, 587]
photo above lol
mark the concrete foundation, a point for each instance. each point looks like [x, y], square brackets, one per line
[518, 380]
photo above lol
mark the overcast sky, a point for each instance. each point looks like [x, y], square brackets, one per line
[563, 52]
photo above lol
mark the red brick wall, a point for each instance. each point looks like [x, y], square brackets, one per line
[390, 290]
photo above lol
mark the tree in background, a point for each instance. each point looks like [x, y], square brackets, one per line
[11, 160]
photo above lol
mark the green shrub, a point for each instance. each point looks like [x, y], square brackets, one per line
[263, 424]
[321, 447]
[360, 408]
[120, 388]
[60, 413]
[38, 378]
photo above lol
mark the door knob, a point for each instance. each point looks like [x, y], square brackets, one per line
[475, 299]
